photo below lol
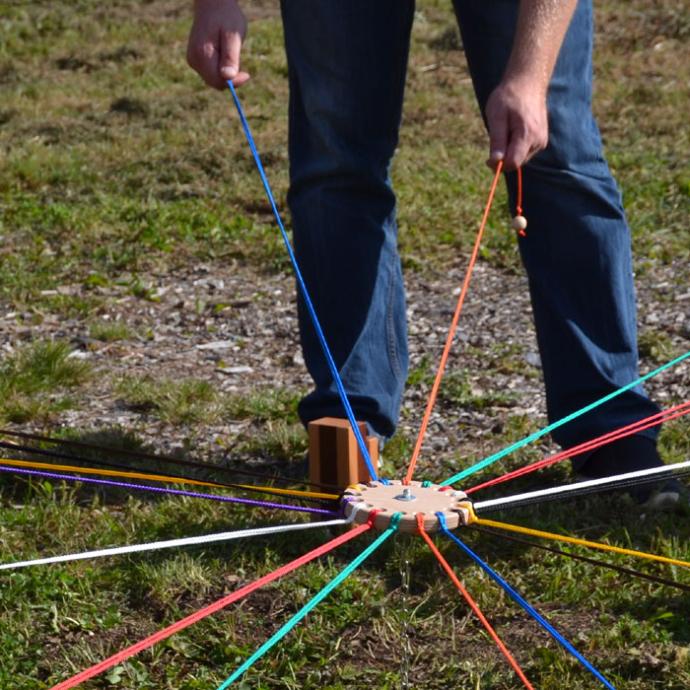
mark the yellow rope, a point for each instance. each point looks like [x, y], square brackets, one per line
[295, 492]
[580, 542]
[159, 478]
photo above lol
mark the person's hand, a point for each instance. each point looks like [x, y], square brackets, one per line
[518, 126]
[215, 42]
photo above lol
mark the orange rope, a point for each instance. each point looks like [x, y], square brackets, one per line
[453, 327]
[472, 603]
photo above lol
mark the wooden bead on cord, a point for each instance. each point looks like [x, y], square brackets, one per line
[519, 223]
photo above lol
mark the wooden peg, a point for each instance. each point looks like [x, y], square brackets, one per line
[334, 456]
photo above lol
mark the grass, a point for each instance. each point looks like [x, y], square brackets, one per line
[110, 148]
[110, 331]
[275, 431]
[83, 607]
[656, 346]
[176, 402]
[195, 400]
[35, 381]
[118, 165]
[457, 390]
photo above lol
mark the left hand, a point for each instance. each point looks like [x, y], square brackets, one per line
[518, 125]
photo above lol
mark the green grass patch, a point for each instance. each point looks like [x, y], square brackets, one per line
[178, 402]
[277, 439]
[118, 160]
[457, 390]
[34, 381]
[264, 405]
[656, 346]
[192, 401]
[110, 331]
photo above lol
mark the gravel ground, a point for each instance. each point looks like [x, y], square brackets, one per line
[238, 330]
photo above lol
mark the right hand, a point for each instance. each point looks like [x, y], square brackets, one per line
[215, 42]
[517, 120]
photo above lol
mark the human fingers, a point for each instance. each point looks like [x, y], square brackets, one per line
[215, 42]
[497, 124]
[203, 55]
[229, 65]
[521, 147]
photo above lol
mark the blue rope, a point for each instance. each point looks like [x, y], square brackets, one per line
[521, 601]
[546, 430]
[313, 603]
[305, 293]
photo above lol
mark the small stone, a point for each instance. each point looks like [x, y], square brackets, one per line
[235, 370]
[216, 345]
[533, 359]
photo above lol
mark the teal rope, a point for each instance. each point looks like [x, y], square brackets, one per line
[311, 605]
[546, 430]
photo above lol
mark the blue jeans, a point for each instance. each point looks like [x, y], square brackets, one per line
[347, 61]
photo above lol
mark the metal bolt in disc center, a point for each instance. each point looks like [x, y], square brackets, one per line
[410, 500]
[406, 495]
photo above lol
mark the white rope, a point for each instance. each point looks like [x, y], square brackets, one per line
[612, 481]
[185, 541]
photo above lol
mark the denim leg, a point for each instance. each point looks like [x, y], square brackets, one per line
[347, 64]
[577, 250]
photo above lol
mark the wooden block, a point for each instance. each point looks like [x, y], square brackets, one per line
[334, 456]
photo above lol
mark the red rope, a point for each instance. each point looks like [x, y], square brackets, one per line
[453, 327]
[472, 603]
[629, 430]
[211, 609]
[518, 203]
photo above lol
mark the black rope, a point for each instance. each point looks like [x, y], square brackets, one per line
[102, 463]
[161, 458]
[586, 559]
[587, 491]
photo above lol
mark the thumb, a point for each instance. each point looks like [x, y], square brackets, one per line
[230, 47]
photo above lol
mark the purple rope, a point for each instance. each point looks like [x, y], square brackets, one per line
[173, 492]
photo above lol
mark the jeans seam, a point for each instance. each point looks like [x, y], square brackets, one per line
[393, 357]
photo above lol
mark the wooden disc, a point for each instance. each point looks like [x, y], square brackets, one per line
[391, 498]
